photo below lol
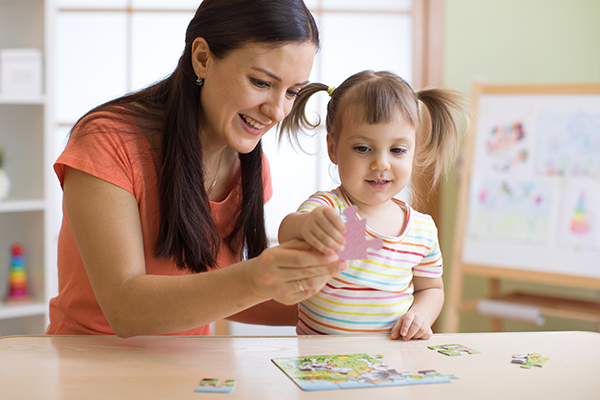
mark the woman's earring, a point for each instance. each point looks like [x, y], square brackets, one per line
[200, 81]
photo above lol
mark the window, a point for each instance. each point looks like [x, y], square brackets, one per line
[105, 48]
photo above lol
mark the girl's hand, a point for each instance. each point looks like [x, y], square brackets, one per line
[411, 325]
[293, 271]
[323, 229]
[426, 307]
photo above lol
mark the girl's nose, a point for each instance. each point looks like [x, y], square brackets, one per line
[380, 163]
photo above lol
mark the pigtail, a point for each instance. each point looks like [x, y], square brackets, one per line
[442, 128]
[297, 122]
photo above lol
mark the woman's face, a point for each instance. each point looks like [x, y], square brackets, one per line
[248, 91]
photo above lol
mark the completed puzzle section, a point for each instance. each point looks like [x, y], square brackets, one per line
[343, 371]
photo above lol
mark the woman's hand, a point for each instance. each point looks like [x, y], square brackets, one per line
[293, 271]
[322, 228]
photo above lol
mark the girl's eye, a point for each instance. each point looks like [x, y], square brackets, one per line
[361, 149]
[399, 150]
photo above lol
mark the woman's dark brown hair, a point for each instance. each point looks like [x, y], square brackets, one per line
[187, 231]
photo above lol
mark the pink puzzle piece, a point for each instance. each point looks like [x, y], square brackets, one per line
[356, 243]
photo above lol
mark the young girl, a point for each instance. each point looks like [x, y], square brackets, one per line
[376, 136]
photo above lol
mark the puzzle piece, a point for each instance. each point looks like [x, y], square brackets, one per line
[212, 385]
[453, 349]
[529, 360]
[356, 244]
[344, 371]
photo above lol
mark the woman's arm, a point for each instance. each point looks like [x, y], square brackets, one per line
[106, 225]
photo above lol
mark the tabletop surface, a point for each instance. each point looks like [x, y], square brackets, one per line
[107, 367]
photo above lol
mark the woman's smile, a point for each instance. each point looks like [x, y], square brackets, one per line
[255, 127]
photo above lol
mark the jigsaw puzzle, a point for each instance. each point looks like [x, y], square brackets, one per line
[356, 242]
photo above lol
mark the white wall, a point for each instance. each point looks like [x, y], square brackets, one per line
[100, 55]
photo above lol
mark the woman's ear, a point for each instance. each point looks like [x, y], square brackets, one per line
[331, 148]
[201, 56]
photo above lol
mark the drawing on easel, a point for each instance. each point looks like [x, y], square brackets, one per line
[535, 176]
[529, 194]
[579, 227]
[579, 223]
[505, 140]
[505, 145]
[568, 144]
[510, 209]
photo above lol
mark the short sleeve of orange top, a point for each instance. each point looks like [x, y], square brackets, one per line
[120, 154]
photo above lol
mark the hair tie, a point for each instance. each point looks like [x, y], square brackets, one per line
[330, 90]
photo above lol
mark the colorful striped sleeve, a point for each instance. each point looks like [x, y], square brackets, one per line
[318, 199]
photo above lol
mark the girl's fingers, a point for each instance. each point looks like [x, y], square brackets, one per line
[395, 334]
[323, 244]
[324, 229]
[418, 328]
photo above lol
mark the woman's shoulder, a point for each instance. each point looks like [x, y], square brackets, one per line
[113, 119]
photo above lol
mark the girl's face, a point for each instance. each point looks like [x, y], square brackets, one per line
[248, 91]
[374, 160]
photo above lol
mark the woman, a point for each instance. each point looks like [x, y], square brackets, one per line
[165, 187]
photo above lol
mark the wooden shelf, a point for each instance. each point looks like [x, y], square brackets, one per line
[26, 136]
[18, 310]
[22, 100]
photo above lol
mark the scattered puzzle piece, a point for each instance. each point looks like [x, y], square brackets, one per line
[356, 243]
[453, 349]
[212, 385]
[529, 360]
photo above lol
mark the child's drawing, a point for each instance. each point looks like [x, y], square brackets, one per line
[568, 144]
[505, 146]
[505, 137]
[510, 208]
[579, 223]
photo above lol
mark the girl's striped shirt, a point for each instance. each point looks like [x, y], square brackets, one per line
[372, 294]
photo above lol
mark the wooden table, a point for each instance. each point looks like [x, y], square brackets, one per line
[106, 367]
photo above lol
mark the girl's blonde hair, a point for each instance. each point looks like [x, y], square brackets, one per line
[377, 97]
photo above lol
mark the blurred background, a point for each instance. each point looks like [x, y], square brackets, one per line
[94, 50]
